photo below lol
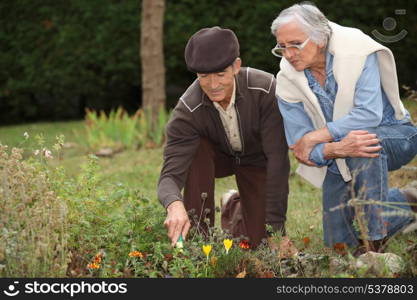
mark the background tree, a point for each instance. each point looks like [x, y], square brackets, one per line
[58, 57]
[152, 56]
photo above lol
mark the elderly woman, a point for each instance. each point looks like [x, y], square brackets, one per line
[338, 94]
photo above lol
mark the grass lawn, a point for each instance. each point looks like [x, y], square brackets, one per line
[139, 169]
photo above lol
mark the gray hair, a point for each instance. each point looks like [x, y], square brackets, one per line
[309, 17]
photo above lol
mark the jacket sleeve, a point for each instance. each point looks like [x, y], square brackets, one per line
[182, 142]
[278, 166]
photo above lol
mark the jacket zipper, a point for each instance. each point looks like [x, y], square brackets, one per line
[225, 135]
[240, 130]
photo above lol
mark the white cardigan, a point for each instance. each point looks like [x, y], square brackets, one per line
[350, 48]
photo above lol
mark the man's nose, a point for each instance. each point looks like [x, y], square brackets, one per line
[214, 82]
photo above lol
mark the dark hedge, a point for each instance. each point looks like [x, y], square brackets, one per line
[59, 56]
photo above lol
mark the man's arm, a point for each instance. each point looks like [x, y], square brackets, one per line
[182, 142]
[276, 150]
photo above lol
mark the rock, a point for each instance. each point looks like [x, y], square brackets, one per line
[105, 152]
[108, 152]
[380, 264]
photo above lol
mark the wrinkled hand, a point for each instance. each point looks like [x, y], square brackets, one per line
[302, 149]
[177, 222]
[359, 143]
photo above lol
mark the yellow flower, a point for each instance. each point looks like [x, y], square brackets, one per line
[207, 250]
[227, 244]
[93, 266]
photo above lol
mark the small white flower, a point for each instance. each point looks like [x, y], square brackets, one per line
[26, 135]
[36, 152]
[48, 154]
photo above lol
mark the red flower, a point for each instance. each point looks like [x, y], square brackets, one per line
[340, 248]
[98, 258]
[244, 244]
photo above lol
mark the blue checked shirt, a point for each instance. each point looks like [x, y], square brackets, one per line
[371, 109]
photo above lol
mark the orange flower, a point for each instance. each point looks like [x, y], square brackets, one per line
[244, 244]
[93, 266]
[136, 254]
[340, 248]
[98, 258]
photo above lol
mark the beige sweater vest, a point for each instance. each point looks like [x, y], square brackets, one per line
[350, 48]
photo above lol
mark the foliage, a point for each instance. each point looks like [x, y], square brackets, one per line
[114, 224]
[119, 131]
[58, 57]
[33, 220]
[116, 131]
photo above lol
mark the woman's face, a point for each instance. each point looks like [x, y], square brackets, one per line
[292, 34]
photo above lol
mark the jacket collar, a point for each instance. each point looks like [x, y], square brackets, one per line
[239, 95]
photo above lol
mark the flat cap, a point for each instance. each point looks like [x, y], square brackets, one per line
[211, 50]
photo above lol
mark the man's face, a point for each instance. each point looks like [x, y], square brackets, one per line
[219, 86]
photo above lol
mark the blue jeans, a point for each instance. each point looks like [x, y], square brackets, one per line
[370, 182]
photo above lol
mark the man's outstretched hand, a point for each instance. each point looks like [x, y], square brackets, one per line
[177, 221]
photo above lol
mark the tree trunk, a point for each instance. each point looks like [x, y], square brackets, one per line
[152, 56]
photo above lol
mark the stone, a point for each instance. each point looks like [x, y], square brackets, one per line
[380, 264]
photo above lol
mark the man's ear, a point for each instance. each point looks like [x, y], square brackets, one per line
[236, 65]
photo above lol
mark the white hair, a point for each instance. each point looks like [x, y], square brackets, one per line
[309, 17]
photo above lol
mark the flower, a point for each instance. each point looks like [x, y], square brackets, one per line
[207, 250]
[227, 244]
[244, 244]
[136, 254]
[340, 248]
[26, 135]
[47, 153]
[36, 152]
[93, 266]
[98, 258]
[306, 241]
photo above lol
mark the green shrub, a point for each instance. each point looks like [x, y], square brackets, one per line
[119, 131]
[33, 220]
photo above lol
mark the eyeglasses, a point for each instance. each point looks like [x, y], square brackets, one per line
[279, 51]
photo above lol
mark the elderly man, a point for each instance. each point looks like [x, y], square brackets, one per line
[338, 94]
[225, 124]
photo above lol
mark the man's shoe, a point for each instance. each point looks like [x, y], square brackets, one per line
[227, 196]
[411, 195]
[375, 246]
[410, 227]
